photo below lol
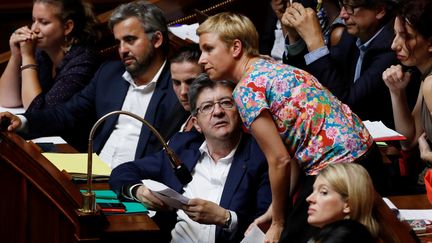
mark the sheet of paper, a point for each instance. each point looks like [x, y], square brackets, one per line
[380, 132]
[77, 163]
[255, 235]
[409, 214]
[166, 194]
[54, 140]
[389, 203]
[185, 32]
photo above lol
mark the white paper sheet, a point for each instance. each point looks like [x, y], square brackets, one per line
[166, 194]
[255, 235]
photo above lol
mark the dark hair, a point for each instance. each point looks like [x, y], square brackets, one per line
[85, 29]
[151, 17]
[200, 83]
[187, 53]
[344, 231]
[417, 14]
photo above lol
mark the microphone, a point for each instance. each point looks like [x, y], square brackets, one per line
[180, 170]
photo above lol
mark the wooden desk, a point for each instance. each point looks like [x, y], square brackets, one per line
[121, 227]
[413, 202]
[40, 203]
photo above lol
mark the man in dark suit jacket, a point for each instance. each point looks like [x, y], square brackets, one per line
[230, 185]
[139, 83]
[352, 69]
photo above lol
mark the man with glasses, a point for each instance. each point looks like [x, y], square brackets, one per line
[139, 83]
[352, 69]
[230, 185]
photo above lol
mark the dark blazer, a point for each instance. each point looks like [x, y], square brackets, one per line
[247, 189]
[368, 97]
[106, 93]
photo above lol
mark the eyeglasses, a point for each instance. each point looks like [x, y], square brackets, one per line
[208, 107]
[350, 9]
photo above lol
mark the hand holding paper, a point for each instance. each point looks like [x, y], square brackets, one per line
[166, 194]
[205, 212]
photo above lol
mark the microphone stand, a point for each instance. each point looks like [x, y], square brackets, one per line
[89, 197]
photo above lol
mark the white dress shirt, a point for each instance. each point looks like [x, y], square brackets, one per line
[123, 141]
[208, 183]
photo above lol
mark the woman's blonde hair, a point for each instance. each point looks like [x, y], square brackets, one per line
[353, 182]
[231, 26]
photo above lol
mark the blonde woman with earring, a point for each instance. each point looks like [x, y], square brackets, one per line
[53, 58]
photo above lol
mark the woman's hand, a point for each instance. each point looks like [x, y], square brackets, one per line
[263, 221]
[274, 233]
[395, 78]
[425, 150]
[20, 36]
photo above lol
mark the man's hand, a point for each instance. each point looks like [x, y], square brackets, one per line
[306, 23]
[10, 122]
[149, 200]
[205, 212]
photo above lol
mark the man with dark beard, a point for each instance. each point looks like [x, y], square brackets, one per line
[140, 83]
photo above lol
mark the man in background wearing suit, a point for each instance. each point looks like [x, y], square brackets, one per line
[140, 83]
[230, 185]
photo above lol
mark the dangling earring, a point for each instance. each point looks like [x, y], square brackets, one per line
[67, 45]
[347, 216]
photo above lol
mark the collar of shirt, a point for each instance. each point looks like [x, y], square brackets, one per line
[127, 76]
[363, 47]
[226, 160]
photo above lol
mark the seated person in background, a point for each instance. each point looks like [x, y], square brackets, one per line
[230, 185]
[300, 126]
[327, 25]
[413, 46]
[352, 69]
[140, 83]
[52, 60]
[184, 70]
[344, 231]
[342, 191]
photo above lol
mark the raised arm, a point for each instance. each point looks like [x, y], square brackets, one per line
[10, 81]
[406, 123]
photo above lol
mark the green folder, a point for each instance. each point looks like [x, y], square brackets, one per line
[108, 196]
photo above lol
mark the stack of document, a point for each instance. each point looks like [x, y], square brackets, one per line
[381, 133]
[76, 163]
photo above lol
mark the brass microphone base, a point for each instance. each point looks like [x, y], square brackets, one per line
[89, 203]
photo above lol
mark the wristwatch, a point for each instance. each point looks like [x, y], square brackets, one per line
[227, 221]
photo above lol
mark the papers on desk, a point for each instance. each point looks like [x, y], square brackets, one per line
[185, 32]
[380, 132]
[166, 194]
[410, 214]
[54, 140]
[77, 163]
[418, 219]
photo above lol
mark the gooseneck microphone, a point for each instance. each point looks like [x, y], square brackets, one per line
[180, 170]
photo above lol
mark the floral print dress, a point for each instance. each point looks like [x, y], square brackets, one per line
[315, 126]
